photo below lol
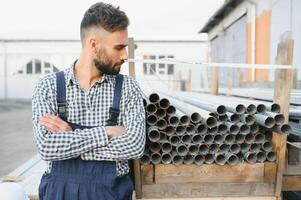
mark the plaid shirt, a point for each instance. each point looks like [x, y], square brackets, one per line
[90, 109]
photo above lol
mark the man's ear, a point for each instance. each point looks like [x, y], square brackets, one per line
[93, 44]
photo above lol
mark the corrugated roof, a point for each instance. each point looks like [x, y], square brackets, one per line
[220, 14]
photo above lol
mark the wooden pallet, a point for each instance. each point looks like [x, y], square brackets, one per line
[244, 181]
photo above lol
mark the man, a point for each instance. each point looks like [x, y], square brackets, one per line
[89, 120]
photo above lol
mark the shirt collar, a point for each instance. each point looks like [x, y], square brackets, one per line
[70, 77]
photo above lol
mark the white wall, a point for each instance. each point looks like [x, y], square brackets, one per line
[19, 53]
[63, 53]
[286, 16]
[181, 50]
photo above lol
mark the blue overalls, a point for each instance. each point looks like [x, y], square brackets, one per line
[76, 179]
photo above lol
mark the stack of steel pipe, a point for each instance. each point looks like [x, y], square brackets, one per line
[182, 129]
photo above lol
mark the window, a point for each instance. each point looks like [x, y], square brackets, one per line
[38, 66]
[157, 68]
[47, 65]
[161, 66]
[29, 68]
[170, 69]
[152, 69]
[144, 68]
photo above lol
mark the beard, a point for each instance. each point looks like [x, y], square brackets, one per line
[105, 65]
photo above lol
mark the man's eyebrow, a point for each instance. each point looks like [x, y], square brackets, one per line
[121, 45]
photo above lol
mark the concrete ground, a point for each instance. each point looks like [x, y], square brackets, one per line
[16, 136]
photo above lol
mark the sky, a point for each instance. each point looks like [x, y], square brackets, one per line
[149, 19]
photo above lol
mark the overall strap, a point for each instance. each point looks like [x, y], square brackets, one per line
[61, 95]
[114, 110]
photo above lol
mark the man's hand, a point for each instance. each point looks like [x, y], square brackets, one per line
[114, 131]
[54, 123]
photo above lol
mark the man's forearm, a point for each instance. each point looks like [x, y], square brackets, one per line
[65, 145]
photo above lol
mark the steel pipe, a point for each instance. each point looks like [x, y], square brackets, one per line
[220, 159]
[166, 158]
[250, 157]
[199, 159]
[156, 158]
[265, 121]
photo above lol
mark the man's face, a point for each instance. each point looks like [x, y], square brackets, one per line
[112, 52]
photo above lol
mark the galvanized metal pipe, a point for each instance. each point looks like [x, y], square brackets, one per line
[153, 134]
[283, 128]
[166, 158]
[166, 147]
[188, 159]
[180, 130]
[220, 159]
[219, 109]
[271, 156]
[247, 119]
[279, 118]
[213, 148]
[232, 159]
[155, 147]
[265, 121]
[151, 108]
[193, 149]
[182, 150]
[197, 139]
[244, 147]
[174, 140]
[203, 149]
[186, 139]
[199, 159]
[145, 159]
[156, 158]
[233, 128]
[250, 157]
[267, 146]
[224, 148]
[261, 156]
[239, 138]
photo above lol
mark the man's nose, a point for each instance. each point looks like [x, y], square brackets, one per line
[124, 54]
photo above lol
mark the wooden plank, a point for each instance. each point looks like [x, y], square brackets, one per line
[189, 82]
[214, 81]
[147, 174]
[291, 183]
[210, 173]
[193, 190]
[222, 198]
[293, 169]
[33, 197]
[282, 95]
[136, 163]
[270, 172]
[137, 175]
[12, 178]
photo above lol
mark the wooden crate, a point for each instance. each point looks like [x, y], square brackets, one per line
[192, 181]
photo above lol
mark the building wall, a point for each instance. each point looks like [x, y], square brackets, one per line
[262, 45]
[230, 47]
[185, 51]
[61, 54]
[286, 17]
[19, 53]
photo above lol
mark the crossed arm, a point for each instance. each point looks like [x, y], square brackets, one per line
[56, 140]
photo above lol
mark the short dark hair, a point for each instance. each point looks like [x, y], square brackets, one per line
[106, 16]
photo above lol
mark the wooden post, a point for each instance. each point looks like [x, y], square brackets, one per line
[214, 82]
[136, 163]
[282, 95]
[189, 87]
[131, 53]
